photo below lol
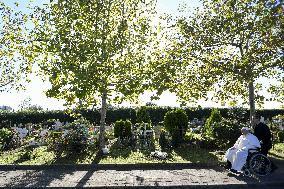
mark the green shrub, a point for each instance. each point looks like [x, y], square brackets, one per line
[118, 128]
[280, 136]
[227, 132]
[6, 136]
[223, 134]
[55, 143]
[163, 141]
[212, 121]
[143, 115]
[122, 129]
[76, 139]
[274, 127]
[127, 129]
[176, 123]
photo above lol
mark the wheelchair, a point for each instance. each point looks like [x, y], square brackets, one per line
[256, 164]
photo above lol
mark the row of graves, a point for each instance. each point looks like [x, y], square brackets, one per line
[142, 134]
[33, 135]
[196, 125]
[280, 122]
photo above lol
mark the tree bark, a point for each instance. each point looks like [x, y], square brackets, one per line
[251, 100]
[102, 122]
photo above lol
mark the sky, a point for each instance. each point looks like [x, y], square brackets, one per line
[35, 89]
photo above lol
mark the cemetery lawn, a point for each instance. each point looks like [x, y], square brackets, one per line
[40, 156]
[277, 152]
[185, 154]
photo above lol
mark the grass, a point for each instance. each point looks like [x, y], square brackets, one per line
[179, 155]
[277, 152]
[40, 156]
[119, 155]
[26, 156]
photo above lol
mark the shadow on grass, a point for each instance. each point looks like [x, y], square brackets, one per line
[196, 155]
[26, 155]
[119, 150]
[90, 153]
[23, 157]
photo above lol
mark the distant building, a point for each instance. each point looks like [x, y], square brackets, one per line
[5, 108]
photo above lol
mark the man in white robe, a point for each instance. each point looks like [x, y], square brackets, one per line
[237, 155]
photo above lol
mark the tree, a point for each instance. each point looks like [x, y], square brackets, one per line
[94, 50]
[233, 47]
[15, 61]
[214, 119]
[27, 105]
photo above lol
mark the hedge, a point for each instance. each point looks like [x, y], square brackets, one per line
[156, 113]
[11, 118]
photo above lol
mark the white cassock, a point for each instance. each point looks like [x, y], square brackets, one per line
[238, 154]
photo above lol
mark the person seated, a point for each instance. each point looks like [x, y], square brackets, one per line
[236, 156]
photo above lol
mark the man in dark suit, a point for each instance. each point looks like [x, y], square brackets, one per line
[263, 133]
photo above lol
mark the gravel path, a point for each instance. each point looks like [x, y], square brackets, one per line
[121, 176]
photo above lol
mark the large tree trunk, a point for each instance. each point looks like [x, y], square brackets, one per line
[251, 100]
[102, 122]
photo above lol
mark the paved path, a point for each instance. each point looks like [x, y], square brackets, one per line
[123, 176]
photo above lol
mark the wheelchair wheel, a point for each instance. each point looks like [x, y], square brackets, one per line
[259, 165]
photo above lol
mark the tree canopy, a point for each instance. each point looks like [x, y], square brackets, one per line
[93, 51]
[15, 61]
[88, 47]
[234, 47]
